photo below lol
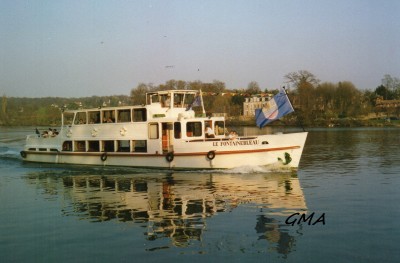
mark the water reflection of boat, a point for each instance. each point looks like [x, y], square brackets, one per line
[177, 206]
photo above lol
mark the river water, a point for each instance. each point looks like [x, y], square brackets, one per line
[347, 189]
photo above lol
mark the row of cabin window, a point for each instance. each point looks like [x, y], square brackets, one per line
[106, 146]
[109, 116]
[193, 129]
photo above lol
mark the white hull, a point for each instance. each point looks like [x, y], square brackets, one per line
[283, 152]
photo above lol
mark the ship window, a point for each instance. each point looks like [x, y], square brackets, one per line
[108, 116]
[80, 146]
[67, 146]
[219, 128]
[108, 146]
[177, 130]
[178, 100]
[193, 129]
[68, 118]
[153, 130]
[93, 146]
[80, 118]
[189, 100]
[152, 98]
[139, 146]
[124, 115]
[166, 100]
[123, 146]
[94, 117]
[139, 115]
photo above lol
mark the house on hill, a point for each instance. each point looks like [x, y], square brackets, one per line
[386, 104]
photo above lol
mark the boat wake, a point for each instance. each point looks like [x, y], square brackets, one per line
[9, 153]
[248, 169]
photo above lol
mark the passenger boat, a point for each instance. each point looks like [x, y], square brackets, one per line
[164, 133]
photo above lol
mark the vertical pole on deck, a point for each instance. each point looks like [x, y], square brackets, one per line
[202, 103]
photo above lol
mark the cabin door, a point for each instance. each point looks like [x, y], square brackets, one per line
[167, 137]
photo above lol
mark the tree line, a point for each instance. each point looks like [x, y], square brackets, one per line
[323, 102]
[315, 102]
[47, 111]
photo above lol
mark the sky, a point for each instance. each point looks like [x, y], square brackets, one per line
[69, 48]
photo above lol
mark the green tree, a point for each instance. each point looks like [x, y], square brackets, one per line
[4, 109]
[348, 99]
[326, 93]
[138, 94]
[384, 92]
[222, 105]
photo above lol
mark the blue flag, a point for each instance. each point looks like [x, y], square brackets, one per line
[275, 108]
[196, 103]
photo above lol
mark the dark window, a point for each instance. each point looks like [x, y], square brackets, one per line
[177, 130]
[219, 128]
[108, 146]
[80, 118]
[80, 146]
[124, 115]
[94, 117]
[93, 146]
[108, 116]
[193, 129]
[139, 146]
[67, 146]
[139, 115]
[123, 146]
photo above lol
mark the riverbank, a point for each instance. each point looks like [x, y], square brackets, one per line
[345, 122]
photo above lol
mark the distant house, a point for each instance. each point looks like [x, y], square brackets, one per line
[252, 103]
[385, 104]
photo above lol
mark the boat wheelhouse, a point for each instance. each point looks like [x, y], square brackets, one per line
[164, 133]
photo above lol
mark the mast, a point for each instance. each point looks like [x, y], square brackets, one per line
[202, 103]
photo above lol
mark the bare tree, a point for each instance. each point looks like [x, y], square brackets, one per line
[294, 79]
[392, 85]
[253, 88]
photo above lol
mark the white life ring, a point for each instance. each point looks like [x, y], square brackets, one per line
[69, 132]
[123, 131]
[95, 132]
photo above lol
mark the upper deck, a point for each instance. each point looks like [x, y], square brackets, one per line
[168, 104]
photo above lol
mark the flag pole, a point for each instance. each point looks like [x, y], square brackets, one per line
[202, 104]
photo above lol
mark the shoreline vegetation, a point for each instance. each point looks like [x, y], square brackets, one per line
[338, 123]
[316, 104]
[47, 112]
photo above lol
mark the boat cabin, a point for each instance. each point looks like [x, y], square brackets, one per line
[168, 117]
